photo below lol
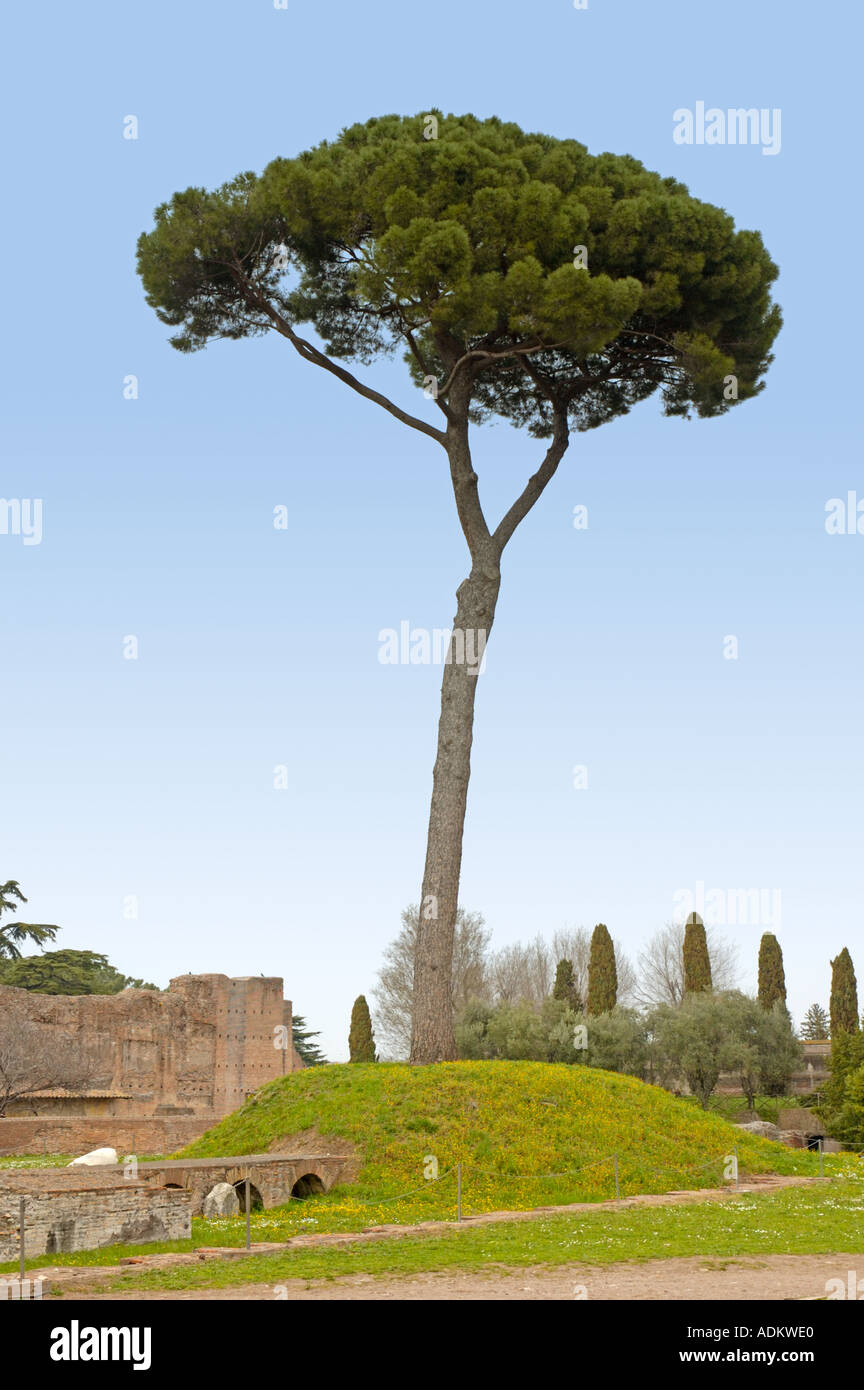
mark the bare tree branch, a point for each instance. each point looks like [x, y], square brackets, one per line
[320, 359]
[537, 483]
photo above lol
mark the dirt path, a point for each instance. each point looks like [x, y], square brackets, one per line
[746, 1278]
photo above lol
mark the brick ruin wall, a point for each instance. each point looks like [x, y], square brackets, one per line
[161, 1066]
[141, 1135]
[63, 1213]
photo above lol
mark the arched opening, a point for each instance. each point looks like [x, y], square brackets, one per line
[174, 1184]
[255, 1201]
[813, 1141]
[310, 1185]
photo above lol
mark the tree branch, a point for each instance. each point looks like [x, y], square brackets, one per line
[493, 356]
[536, 484]
[320, 359]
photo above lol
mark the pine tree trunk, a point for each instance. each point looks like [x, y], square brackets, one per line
[432, 1037]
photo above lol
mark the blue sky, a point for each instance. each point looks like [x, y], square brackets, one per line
[258, 648]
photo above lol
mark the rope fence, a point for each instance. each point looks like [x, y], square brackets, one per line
[462, 1170]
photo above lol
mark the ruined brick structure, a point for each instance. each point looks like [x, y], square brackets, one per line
[180, 1059]
[83, 1208]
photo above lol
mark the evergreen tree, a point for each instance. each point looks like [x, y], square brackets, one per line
[602, 974]
[68, 972]
[565, 985]
[305, 1048]
[361, 1042]
[13, 933]
[458, 252]
[817, 1025]
[772, 979]
[841, 1108]
[697, 962]
[844, 995]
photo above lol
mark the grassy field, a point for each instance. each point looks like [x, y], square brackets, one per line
[526, 1134]
[818, 1220]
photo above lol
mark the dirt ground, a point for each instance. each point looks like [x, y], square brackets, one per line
[746, 1278]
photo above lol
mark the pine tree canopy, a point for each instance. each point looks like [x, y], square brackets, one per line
[573, 282]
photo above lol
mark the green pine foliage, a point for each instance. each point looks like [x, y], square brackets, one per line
[816, 1026]
[844, 995]
[304, 1044]
[386, 236]
[68, 972]
[697, 962]
[12, 933]
[772, 979]
[565, 988]
[842, 1107]
[602, 973]
[361, 1041]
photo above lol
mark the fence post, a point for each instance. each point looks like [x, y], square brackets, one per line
[617, 1185]
[248, 1230]
[458, 1191]
[21, 1256]
[821, 1173]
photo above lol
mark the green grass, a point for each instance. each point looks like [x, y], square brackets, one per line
[819, 1220]
[508, 1123]
[12, 1161]
[34, 1160]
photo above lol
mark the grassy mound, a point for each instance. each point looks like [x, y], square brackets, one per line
[526, 1134]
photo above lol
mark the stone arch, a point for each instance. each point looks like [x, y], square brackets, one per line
[309, 1185]
[256, 1201]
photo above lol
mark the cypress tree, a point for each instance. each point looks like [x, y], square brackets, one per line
[697, 962]
[361, 1041]
[602, 974]
[844, 995]
[772, 978]
[565, 985]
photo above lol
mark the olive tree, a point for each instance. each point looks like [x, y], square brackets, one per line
[521, 277]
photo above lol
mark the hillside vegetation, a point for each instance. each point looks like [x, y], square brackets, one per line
[526, 1134]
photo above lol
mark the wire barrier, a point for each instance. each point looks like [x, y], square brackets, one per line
[625, 1172]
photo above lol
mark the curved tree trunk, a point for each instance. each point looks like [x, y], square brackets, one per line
[432, 1037]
